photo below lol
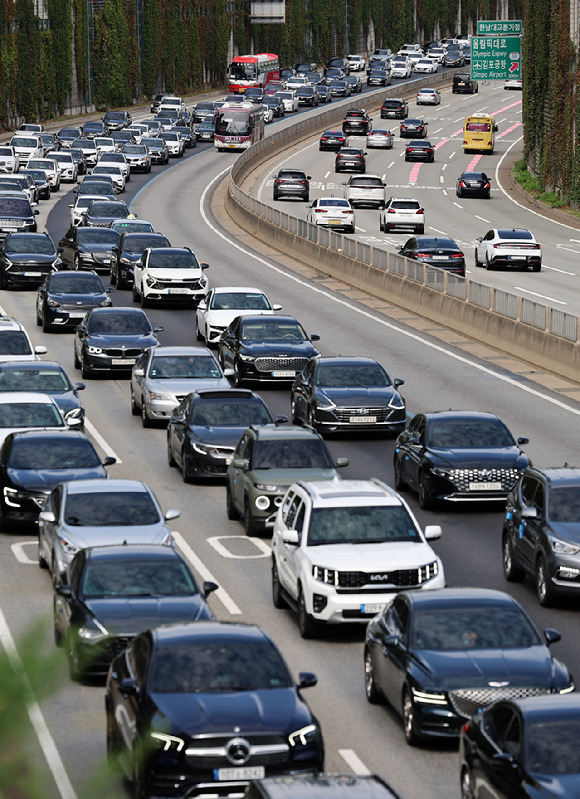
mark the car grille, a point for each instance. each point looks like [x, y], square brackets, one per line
[345, 414]
[285, 364]
[468, 701]
[121, 352]
[174, 284]
[19, 268]
[267, 750]
[38, 499]
[13, 222]
[377, 581]
[461, 478]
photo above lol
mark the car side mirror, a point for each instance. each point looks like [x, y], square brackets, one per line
[109, 461]
[202, 305]
[315, 337]
[479, 238]
[40, 350]
[341, 463]
[291, 537]
[74, 421]
[398, 382]
[308, 177]
[414, 440]
[129, 686]
[172, 514]
[138, 371]
[344, 182]
[433, 531]
[307, 679]
[281, 419]
[36, 212]
[63, 590]
[240, 463]
[204, 266]
[523, 440]
[552, 636]
[60, 250]
[530, 512]
[209, 588]
[47, 516]
[158, 329]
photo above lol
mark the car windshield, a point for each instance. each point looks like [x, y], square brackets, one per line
[170, 259]
[471, 627]
[361, 525]
[478, 127]
[217, 667]
[75, 284]
[62, 158]
[468, 434]
[239, 300]
[137, 578]
[406, 205]
[368, 183]
[136, 149]
[137, 243]
[30, 414]
[13, 206]
[564, 504]
[175, 367]
[37, 378]
[93, 187]
[107, 169]
[115, 116]
[116, 158]
[119, 324]
[550, 746]
[291, 454]
[86, 144]
[134, 227]
[342, 375]
[230, 411]
[7, 151]
[66, 452]
[334, 203]
[88, 235]
[30, 244]
[14, 342]
[110, 509]
[21, 141]
[264, 330]
[113, 210]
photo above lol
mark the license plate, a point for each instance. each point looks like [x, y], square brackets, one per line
[123, 361]
[76, 314]
[283, 373]
[334, 221]
[32, 274]
[232, 146]
[485, 486]
[178, 291]
[517, 257]
[440, 257]
[246, 773]
[372, 608]
[363, 419]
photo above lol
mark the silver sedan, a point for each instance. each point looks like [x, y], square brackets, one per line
[381, 138]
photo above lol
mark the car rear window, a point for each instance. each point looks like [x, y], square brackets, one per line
[369, 183]
[292, 173]
[514, 234]
[392, 103]
[407, 205]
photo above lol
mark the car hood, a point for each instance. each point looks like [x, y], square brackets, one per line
[359, 395]
[299, 349]
[285, 477]
[227, 436]
[31, 258]
[129, 616]
[78, 299]
[46, 479]
[562, 786]
[129, 340]
[5, 431]
[97, 247]
[475, 668]
[276, 710]
[383, 557]
[503, 457]
[566, 530]
[226, 317]
[117, 534]
[186, 386]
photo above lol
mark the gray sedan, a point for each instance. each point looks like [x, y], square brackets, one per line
[161, 378]
[87, 513]
[381, 138]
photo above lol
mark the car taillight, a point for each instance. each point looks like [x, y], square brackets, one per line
[320, 210]
[486, 186]
[347, 211]
[422, 255]
[303, 182]
[391, 211]
[462, 184]
[464, 142]
[421, 211]
[457, 255]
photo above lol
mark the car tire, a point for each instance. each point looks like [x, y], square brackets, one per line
[477, 262]
[77, 363]
[112, 277]
[466, 784]
[400, 484]
[86, 371]
[545, 591]
[46, 326]
[56, 633]
[42, 564]
[425, 500]
[387, 228]
[381, 225]
[237, 377]
[511, 572]
[488, 264]
[135, 294]
[409, 719]
[371, 691]
[146, 420]
[112, 741]
[306, 624]
[135, 409]
[537, 268]
[137, 783]
[74, 669]
[249, 527]
[143, 302]
[172, 463]
[198, 334]
[293, 414]
[277, 596]
[187, 478]
[38, 316]
[231, 510]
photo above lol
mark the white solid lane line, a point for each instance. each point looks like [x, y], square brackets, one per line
[205, 574]
[542, 296]
[94, 433]
[354, 762]
[47, 743]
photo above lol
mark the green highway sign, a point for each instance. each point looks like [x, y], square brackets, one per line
[507, 27]
[496, 58]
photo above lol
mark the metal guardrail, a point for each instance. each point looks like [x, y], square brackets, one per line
[516, 308]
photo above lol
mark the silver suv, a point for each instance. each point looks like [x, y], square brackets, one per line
[365, 190]
[401, 212]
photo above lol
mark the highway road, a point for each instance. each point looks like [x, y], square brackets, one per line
[440, 371]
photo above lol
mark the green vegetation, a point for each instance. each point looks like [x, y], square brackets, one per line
[534, 186]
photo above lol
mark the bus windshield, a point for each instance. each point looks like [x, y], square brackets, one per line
[478, 127]
[233, 124]
[243, 71]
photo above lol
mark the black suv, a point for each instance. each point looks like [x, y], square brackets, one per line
[16, 214]
[462, 84]
[394, 108]
[357, 122]
[292, 183]
[541, 531]
[26, 259]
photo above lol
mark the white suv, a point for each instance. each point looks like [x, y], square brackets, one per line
[365, 190]
[402, 212]
[169, 274]
[342, 549]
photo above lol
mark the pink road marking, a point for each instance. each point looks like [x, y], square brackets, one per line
[505, 108]
[509, 130]
[473, 163]
[440, 144]
[415, 173]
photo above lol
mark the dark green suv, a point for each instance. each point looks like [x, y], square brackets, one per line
[266, 462]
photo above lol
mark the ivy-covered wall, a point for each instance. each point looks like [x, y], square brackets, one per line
[125, 50]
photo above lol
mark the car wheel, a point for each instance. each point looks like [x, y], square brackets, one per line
[187, 478]
[400, 484]
[537, 268]
[237, 378]
[466, 784]
[489, 264]
[86, 371]
[146, 420]
[275, 196]
[249, 527]
[293, 413]
[113, 277]
[544, 588]
[143, 302]
[387, 228]
[476, 259]
[425, 500]
[511, 572]
[381, 225]
[277, 597]
[76, 361]
[137, 782]
[371, 690]
[306, 623]
[112, 742]
[42, 564]
[74, 669]
[55, 630]
[170, 459]
[135, 294]
[198, 334]
[231, 509]
[409, 719]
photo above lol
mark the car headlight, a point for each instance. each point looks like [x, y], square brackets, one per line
[74, 413]
[126, 261]
[167, 742]
[437, 470]
[52, 303]
[563, 547]
[323, 575]
[266, 487]
[156, 395]
[67, 546]
[11, 497]
[397, 402]
[324, 403]
[303, 736]
[167, 540]
[429, 697]
[246, 358]
[92, 630]
[151, 282]
[95, 350]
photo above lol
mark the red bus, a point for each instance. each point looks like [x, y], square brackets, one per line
[252, 70]
[238, 126]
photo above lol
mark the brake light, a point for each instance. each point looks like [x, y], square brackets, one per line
[464, 142]
[486, 186]
[457, 255]
[422, 255]
[421, 211]
[320, 210]
[391, 211]
[347, 211]
[462, 184]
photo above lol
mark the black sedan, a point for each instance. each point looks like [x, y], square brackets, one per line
[413, 128]
[344, 393]
[101, 213]
[394, 108]
[45, 377]
[332, 140]
[40, 180]
[438, 657]
[65, 297]
[324, 93]
[128, 251]
[473, 184]
[340, 88]
[116, 592]
[88, 248]
[32, 463]
[458, 456]
[419, 150]
[110, 340]
[350, 158]
[205, 428]
[94, 128]
[266, 348]
[307, 95]
[206, 707]
[26, 259]
[379, 77]
[276, 104]
[437, 251]
[205, 131]
[522, 747]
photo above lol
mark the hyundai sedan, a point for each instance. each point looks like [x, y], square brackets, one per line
[332, 212]
[509, 247]
[436, 251]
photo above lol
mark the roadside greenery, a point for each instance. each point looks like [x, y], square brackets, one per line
[534, 186]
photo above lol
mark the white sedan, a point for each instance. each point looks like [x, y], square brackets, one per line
[428, 97]
[426, 65]
[221, 306]
[332, 212]
[289, 99]
[509, 247]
